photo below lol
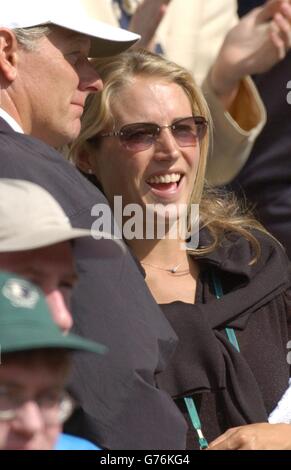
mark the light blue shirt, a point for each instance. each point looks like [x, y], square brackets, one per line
[67, 442]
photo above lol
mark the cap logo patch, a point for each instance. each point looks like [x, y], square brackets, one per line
[20, 294]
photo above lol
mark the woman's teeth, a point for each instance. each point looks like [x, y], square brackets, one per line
[166, 179]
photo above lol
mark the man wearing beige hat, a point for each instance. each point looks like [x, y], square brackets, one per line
[35, 236]
[45, 78]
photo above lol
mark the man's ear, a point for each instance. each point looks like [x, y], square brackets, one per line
[8, 54]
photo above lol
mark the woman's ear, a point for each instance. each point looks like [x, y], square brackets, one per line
[87, 167]
[8, 54]
[83, 162]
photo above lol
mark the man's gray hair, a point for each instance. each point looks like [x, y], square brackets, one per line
[28, 37]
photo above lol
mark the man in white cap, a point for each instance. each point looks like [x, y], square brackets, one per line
[45, 73]
[35, 236]
[45, 78]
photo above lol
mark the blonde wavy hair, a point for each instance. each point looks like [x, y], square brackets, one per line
[219, 211]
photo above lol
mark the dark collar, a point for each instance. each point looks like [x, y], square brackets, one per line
[252, 284]
[4, 126]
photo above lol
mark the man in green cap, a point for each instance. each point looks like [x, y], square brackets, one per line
[35, 364]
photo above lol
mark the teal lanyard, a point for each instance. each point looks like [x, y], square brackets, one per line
[192, 410]
[219, 294]
[189, 402]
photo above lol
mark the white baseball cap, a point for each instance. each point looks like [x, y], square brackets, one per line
[31, 218]
[106, 40]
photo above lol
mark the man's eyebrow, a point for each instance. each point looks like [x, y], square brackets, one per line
[31, 271]
[74, 34]
[14, 385]
[72, 277]
[78, 40]
[19, 387]
[27, 271]
[37, 273]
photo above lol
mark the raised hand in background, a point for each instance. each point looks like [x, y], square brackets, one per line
[258, 42]
[147, 19]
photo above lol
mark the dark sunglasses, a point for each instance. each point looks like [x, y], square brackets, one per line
[141, 136]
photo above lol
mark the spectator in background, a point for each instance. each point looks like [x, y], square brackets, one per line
[204, 38]
[35, 236]
[35, 364]
[265, 181]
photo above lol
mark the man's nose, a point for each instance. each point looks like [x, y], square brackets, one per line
[59, 309]
[29, 420]
[90, 79]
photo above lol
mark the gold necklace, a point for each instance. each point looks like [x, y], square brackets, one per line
[173, 270]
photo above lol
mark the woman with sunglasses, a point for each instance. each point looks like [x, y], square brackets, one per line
[145, 139]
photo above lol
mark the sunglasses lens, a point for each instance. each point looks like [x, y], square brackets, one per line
[138, 137]
[202, 126]
[141, 136]
[188, 132]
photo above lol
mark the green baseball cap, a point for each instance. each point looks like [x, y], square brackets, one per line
[26, 322]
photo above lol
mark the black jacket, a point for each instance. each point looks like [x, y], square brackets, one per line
[233, 388]
[121, 407]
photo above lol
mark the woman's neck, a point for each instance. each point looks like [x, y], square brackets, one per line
[171, 274]
[166, 253]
